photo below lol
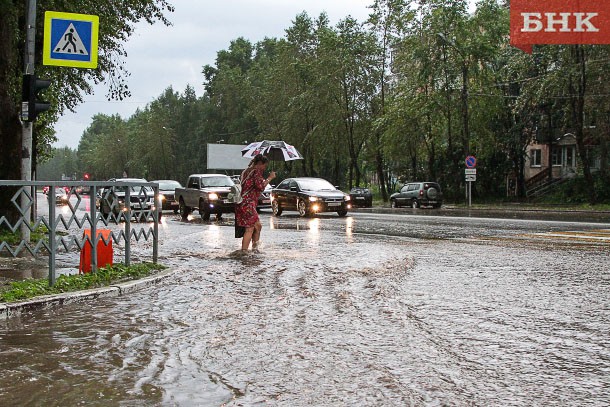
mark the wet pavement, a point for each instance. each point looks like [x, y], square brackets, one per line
[376, 309]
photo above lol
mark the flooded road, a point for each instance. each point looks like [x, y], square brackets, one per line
[368, 310]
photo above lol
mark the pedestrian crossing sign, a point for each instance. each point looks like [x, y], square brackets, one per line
[70, 39]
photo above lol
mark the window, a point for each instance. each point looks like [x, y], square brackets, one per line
[570, 156]
[556, 155]
[536, 158]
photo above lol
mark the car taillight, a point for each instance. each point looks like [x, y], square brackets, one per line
[421, 193]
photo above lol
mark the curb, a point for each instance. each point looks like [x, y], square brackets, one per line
[9, 310]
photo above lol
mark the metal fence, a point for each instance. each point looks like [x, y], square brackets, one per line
[92, 206]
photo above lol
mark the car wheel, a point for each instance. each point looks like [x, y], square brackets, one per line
[393, 203]
[218, 215]
[436, 206]
[342, 212]
[205, 213]
[414, 204]
[276, 209]
[302, 207]
[184, 210]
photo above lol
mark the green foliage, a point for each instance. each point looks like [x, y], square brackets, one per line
[578, 191]
[68, 85]
[14, 238]
[26, 289]
[404, 96]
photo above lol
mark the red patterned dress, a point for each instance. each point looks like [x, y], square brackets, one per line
[253, 184]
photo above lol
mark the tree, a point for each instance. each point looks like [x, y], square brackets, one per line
[117, 22]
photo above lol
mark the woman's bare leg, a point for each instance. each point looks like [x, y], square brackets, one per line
[256, 234]
[245, 241]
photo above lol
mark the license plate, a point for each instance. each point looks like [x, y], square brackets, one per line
[265, 201]
[226, 201]
[334, 204]
[359, 197]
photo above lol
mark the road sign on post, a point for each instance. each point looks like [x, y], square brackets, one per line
[70, 39]
[471, 175]
[471, 161]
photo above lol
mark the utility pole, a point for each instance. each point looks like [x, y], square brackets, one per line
[26, 138]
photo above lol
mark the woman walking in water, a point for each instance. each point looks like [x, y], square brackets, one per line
[253, 182]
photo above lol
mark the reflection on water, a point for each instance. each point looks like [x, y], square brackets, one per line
[318, 319]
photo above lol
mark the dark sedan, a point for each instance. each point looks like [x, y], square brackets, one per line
[308, 196]
[361, 197]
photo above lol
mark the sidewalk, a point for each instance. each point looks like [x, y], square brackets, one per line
[8, 310]
[507, 211]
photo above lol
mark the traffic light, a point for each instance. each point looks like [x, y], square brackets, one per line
[31, 105]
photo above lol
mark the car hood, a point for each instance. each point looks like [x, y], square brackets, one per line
[216, 189]
[325, 194]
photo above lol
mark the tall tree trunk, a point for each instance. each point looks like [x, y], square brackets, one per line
[380, 173]
[578, 114]
[10, 128]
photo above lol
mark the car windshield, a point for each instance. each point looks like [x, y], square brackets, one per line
[316, 185]
[217, 182]
[169, 185]
[136, 190]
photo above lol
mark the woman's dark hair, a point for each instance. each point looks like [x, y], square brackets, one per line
[259, 158]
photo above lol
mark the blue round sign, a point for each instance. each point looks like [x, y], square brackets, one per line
[471, 162]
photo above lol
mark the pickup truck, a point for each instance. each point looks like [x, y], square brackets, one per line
[206, 193]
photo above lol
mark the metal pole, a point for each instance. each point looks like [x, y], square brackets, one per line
[26, 135]
[469, 193]
[157, 214]
[52, 235]
[127, 215]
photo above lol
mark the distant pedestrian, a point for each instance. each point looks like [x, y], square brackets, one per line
[253, 183]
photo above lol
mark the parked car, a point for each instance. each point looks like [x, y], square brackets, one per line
[45, 189]
[141, 199]
[308, 196]
[167, 193]
[361, 197]
[264, 199]
[206, 193]
[416, 194]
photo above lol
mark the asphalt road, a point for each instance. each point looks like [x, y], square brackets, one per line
[382, 307]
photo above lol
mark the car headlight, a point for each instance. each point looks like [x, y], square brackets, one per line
[347, 197]
[213, 196]
[162, 198]
[313, 198]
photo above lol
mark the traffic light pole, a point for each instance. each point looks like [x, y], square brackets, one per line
[26, 138]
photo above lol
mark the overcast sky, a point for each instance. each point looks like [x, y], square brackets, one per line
[160, 56]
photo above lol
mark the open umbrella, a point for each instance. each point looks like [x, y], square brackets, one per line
[274, 150]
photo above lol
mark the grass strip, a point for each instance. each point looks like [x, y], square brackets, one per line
[105, 276]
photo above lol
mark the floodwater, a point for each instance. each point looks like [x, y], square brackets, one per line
[331, 312]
